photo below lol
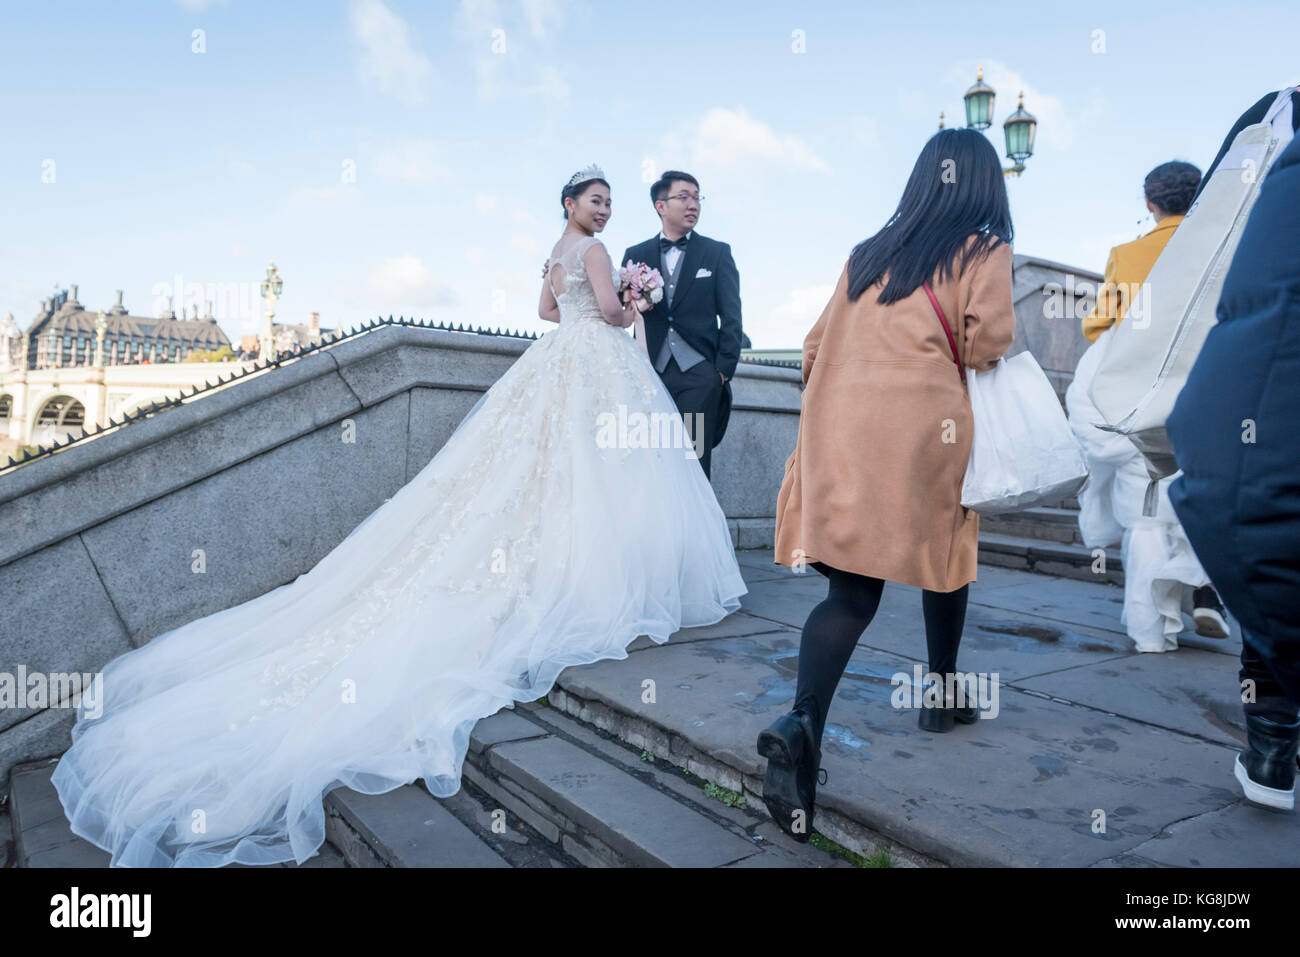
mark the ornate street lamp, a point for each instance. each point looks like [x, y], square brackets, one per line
[271, 287]
[1020, 128]
[979, 103]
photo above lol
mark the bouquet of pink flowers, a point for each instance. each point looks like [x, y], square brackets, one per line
[642, 282]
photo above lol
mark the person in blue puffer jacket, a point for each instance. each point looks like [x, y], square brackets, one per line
[1236, 435]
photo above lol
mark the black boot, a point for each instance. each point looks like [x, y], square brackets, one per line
[793, 772]
[1266, 769]
[941, 719]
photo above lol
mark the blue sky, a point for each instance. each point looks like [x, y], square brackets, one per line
[406, 158]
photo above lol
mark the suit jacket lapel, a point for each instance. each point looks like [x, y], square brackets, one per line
[648, 253]
[690, 265]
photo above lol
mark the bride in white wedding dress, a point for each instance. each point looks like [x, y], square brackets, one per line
[525, 546]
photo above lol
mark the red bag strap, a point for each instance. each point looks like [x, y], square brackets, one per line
[952, 343]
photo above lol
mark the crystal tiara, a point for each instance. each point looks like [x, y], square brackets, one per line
[581, 176]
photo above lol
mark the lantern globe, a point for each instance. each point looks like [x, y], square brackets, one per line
[1020, 128]
[979, 103]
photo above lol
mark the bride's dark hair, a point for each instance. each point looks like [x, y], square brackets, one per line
[577, 189]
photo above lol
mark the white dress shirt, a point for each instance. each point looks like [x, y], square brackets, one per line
[674, 252]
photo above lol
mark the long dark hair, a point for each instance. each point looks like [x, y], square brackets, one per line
[956, 190]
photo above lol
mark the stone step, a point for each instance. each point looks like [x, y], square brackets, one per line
[1048, 524]
[539, 789]
[405, 827]
[42, 836]
[1057, 523]
[1050, 558]
[598, 800]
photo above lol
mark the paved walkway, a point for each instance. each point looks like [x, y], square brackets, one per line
[1098, 756]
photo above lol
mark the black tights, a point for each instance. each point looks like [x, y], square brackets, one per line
[833, 628]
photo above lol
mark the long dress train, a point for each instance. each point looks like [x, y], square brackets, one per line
[529, 543]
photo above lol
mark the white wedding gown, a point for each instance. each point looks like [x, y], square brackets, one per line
[525, 546]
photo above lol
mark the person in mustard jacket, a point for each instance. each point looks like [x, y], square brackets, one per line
[872, 491]
[1169, 189]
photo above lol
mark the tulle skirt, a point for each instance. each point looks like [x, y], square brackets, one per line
[549, 531]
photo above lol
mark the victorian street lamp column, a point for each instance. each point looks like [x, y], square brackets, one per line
[271, 287]
[18, 389]
[96, 377]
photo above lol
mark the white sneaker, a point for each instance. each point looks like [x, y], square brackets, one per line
[1208, 613]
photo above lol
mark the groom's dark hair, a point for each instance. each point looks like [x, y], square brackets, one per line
[660, 189]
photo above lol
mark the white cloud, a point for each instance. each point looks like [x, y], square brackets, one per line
[527, 245]
[388, 60]
[486, 202]
[726, 139]
[785, 325]
[198, 6]
[405, 280]
[238, 250]
[802, 307]
[552, 86]
[865, 133]
[524, 217]
[412, 162]
[543, 17]
[505, 67]
[320, 195]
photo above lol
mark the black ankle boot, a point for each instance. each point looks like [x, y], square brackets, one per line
[1266, 769]
[941, 719]
[793, 770]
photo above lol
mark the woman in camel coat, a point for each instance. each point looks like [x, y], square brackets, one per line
[872, 491]
[874, 483]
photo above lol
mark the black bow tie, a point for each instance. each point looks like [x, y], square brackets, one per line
[665, 242]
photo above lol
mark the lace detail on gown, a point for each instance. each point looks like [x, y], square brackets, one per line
[523, 547]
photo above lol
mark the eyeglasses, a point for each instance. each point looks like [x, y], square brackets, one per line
[684, 197]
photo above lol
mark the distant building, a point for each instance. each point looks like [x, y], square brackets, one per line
[773, 355]
[56, 382]
[289, 336]
[63, 334]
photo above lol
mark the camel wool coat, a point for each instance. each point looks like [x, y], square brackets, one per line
[874, 483]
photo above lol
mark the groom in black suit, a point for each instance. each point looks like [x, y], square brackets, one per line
[693, 335]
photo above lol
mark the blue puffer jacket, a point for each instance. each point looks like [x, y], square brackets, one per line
[1236, 430]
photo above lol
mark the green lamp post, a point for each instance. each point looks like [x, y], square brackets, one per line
[271, 287]
[1019, 127]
